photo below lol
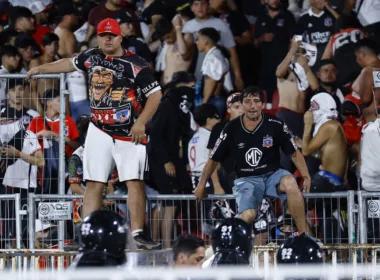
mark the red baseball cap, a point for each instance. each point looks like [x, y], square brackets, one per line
[109, 25]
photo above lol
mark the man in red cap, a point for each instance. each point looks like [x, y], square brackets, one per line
[124, 95]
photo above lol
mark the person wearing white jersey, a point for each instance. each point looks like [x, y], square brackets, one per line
[368, 87]
[206, 116]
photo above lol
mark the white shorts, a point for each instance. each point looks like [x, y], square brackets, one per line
[102, 152]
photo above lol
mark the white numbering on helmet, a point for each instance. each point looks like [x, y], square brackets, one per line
[261, 224]
[85, 228]
[286, 253]
[226, 230]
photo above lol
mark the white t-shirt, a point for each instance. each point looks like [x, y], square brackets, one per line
[76, 83]
[3, 85]
[226, 38]
[370, 156]
[197, 150]
[369, 12]
[80, 33]
[22, 174]
[216, 66]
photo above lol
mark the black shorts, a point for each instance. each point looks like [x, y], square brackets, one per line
[293, 120]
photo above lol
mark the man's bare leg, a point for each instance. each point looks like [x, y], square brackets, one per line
[167, 225]
[248, 216]
[93, 197]
[136, 206]
[296, 204]
[136, 203]
[156, 222]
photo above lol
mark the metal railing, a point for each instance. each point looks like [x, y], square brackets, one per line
[193, 216]
[62, 115]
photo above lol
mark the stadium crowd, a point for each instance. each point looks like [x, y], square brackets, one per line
[262, 99]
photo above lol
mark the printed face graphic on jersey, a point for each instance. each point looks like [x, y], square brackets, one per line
[101, 81]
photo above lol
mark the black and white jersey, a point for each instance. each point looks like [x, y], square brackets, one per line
[343, 49]
[316, 28]
[256, 152]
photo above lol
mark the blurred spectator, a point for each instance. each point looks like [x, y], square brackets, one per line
[366, 53]
[44, 233]
[367, 12]
[172, 57]
[215, 70]
[40, 10]
[153, 10]
[169, 124]
[188, 250]
[10, 62]
[353, 122]
[77, 86]
[206, 116]
[226, 173]
[341, 48]
[50, 53]
[22, 20]
[241, 30]
[369, 92]
[131, 40]
[24, 45]
[84, 8]
[297, 7]
[317, 25]
[67, 20]
[107, 10]
[8, 37]
[353, 119]
[47, 130]
[202, 20]
[327, 82]
[327, 141]
[273, 31]
[21, 153]
[15, 109]
[294, 77]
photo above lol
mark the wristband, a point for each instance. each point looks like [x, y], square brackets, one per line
[178, 26]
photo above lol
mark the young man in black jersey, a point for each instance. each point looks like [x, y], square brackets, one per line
[124, 95]
[255, 140]
[317, 25]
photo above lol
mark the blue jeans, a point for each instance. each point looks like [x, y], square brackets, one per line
[250, 191]
[80, 108]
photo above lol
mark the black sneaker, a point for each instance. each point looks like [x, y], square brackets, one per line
[72, 247]
[144, 243]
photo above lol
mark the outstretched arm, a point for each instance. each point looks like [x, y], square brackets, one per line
[61, 66]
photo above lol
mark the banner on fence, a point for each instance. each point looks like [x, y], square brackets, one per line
[54, 211]
[373, 208]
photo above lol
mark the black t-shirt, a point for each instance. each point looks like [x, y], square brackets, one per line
[316, 29]
[137, 46]
[228, 163]
[237, 22]
[343, 46]
[25, 114]
[155, 8]
[256, 152]
[282, 26]
[118, 88]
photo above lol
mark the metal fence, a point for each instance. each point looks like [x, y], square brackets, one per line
[197, 217]
[18, 175]
[191, 218]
